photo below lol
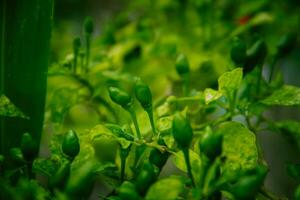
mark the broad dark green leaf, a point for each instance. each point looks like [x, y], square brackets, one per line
[167, 189]
[288, 95]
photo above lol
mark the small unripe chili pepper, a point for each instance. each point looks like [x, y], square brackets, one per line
[248, 185]
[80, 185]
[123, 99]
[255, 55]
[120, 97]
[127, 191]
[211, 144]
[182, 131]
[183, 135]
[144, 96]
[29, 147]
[286, 44]
[70, 144]
[88, 25]
[157, 157]
[16, 155]
[60, 178]
[145, 178]
[238, 52]
[182, 65]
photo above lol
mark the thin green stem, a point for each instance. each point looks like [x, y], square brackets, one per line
[185, 85]
[123, 164]
[75, 62]
[204, 167]
[188, 164]
[87, 52]
[134, 119]
[259, 77]
[272, 68]
[151, 118]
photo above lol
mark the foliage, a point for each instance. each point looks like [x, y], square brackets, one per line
[156, 92]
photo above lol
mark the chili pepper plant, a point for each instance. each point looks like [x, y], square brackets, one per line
[162, 108]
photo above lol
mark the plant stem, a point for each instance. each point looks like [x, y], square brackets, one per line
[259, 77]
[123, 164]
[134, 119]
[185, 85]
[188, 164]
[151, 118]
[204, 166]
[87, 52]
[272, 68]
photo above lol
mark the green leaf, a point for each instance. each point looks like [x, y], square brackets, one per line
[179, 161]
[8, 109]
[211, 95]
[239, 147]
[230, 81]
[46, 167]
[291, 130]
[288, 95]
[169, 189]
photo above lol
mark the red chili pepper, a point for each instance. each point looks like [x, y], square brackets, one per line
[244, 19]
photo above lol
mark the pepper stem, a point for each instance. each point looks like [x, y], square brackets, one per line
[185, 85]
[134, 119]
[272, 68]
[87, 51]
[151, 118]
[123, 164]
[188, 164]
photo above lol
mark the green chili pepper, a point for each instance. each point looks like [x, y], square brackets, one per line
[182, 131]
[286, 44]
[144, 96]
[238, 52]
[88, 27]
[123, 99]
[211, 144]
[127, 191]
[29, 147]
[16, 156]
[70, 144]
[182, 65]
[183, 135]
[255, 55]
[80, 185]
[124, 152]
[248, 185]
[60, 178]
[157, 157]
[183, 69]
[120, 97]
[145, 178]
